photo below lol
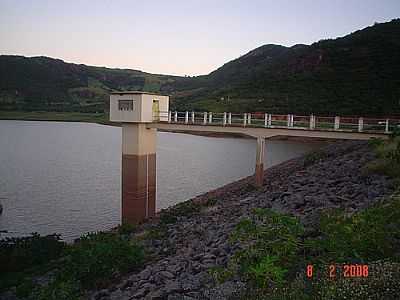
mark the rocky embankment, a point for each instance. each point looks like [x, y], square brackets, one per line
[187, 247]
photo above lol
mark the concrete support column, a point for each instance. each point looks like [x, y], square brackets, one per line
[230, 118]
[312, 122]
[224, 119]
[138, 172]
[193, 119]
[186, 117]
[244, 119]
[360, 124]
[337, 123]
[259, 171]
[176, 117]
[169, 116]
[210, 117]
[387, 126]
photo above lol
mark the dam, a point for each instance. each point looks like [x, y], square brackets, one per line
[141, 114]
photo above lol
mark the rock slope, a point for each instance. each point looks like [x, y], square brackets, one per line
[192, 244]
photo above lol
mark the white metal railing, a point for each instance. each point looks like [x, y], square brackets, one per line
[290, 121]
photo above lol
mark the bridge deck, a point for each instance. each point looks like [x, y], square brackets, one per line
[257, 132]
[267, 125]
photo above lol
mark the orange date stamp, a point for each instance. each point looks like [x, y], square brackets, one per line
[345, 270]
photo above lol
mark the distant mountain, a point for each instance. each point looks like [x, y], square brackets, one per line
[43, 83]
[358, 74]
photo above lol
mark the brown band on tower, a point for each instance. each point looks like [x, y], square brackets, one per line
[259, 174]
[138, 187]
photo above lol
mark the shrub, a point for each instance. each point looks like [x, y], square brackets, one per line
[97, 257]
[272, 243]
[126, 228]
[18, 254]
[388, 161]
[366, 236]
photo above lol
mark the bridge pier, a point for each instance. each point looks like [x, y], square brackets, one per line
[259, 171]
[138, 172]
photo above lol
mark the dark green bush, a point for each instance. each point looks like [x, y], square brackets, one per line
[388, 161]
[96, 257]
[126, 228]
[366, 236]
[17, 254]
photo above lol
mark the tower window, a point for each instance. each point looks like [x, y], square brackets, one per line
[125, 104]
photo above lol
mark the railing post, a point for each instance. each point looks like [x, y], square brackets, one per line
[337, 123]
[249, 118]
[186, 117]
[360, 124]
[224, 121]
[244, 119]
[288, 121]
[387, 126]
[230, 118]
[193, 119]
[169, 116]
[176, 117]
[269, 120]
[291, 120]
[205, 118]
[312, 122]
[210, 117]
[266, 120]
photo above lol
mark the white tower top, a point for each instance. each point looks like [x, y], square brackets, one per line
[138, 107]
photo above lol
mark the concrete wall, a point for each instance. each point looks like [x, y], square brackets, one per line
[143, 108]
[147, 108]
[117, 115]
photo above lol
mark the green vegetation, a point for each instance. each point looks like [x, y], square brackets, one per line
[275, 244]
[27, 256]
[354, 75]
[388, 152]
[277, 250]
[92, 261]
[17, 254]
[94, 257]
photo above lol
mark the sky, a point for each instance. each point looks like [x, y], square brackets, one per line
[175, 37]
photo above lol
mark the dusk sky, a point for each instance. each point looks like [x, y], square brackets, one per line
[175, 37]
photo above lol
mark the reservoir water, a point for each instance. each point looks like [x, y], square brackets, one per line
[59, 177]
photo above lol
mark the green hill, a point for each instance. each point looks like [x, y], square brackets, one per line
[358, 74]
[42, 83]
